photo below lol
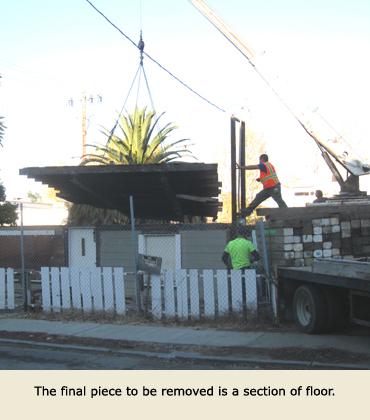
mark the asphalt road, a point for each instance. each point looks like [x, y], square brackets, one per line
[26, 357]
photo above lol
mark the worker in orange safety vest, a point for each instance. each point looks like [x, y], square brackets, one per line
[270, 182]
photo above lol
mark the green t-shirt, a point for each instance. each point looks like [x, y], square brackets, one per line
[239, 250]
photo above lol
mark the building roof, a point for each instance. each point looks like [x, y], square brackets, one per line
[160, 191]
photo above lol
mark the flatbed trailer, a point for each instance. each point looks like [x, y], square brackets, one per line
[326, 296]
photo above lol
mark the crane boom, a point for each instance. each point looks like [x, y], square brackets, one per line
[327, 139]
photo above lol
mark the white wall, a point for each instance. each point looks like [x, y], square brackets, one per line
[41, 214]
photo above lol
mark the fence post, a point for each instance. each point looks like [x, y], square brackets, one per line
[137, 286]
[264, 249]
[233, 171]
[23, 276]
[270, 283]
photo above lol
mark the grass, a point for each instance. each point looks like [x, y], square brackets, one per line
[226, 322]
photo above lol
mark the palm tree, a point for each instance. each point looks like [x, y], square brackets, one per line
[85, 215]
[2, 129]
[136, 144]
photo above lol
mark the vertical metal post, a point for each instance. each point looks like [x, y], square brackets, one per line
[242, 163]
[23, 276]
[233, 171]
[137, 285]
[264, 248]
[270, 284]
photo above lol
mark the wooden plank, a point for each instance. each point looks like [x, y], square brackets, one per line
[172, 198]
[342, 268]
[194, 294]
[222, 292]
[55, 289]
[76, 180]
[108, 289]
[236, 291]
[169, 293]
[312, 211]
[2, 289]
[119, 290]
[141, 241]
[45, 289]
[251, 290]
[182, 294]
[65, 287]
[97, 288]
[76, 288]
[305, 274]
[178, 250]
[196, 198]
[156, 296]
[86, 289]
[89, 183]
[209, 294]
[10, 288]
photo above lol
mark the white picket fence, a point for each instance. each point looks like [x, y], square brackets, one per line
[7, 296]
[98, 289]
[182, 292]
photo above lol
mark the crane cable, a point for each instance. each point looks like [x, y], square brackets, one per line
[154, 61]
[139, 71]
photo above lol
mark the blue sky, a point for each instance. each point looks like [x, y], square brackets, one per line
[51, 51]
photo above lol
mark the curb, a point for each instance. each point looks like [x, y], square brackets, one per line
[193, 356]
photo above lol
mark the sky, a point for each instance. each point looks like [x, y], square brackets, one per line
[52, 51]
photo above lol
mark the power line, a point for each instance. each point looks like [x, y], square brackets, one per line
[31, 84]
[152, 59]
[37, 75]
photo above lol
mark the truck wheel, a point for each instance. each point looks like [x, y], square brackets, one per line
[310, 312]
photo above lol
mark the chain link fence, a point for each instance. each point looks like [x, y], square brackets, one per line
[161, 270]
[23, 252]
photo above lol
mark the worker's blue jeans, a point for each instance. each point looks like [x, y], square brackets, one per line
[273, 192]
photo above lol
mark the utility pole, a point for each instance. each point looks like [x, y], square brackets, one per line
[84, 125]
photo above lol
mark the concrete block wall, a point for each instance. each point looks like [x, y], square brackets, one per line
[298, 236]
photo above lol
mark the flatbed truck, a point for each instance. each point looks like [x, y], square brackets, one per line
[325, 297]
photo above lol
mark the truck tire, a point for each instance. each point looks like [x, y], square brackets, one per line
[310, 311]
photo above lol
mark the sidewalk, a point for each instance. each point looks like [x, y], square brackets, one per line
[271, 346]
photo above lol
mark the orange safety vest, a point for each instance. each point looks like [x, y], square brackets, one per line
[270, 178]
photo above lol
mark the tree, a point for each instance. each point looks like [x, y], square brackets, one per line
[2, 130]
[136, 143]
[8, 211]
[34, 197]
[85, 215]
[2, 127]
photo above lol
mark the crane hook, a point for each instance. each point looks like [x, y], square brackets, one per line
[141, 46]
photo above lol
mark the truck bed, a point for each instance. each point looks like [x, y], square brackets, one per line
[341, 273]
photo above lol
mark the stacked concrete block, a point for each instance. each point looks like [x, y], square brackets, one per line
[293, 242]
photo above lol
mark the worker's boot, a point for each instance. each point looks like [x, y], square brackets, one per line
[241, 222]
[243, 213]
[240, 217]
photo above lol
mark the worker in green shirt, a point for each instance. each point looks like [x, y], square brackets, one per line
[239, 253]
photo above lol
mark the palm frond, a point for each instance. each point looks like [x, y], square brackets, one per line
[135, 143]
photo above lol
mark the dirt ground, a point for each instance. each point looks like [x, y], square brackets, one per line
[324, 356]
